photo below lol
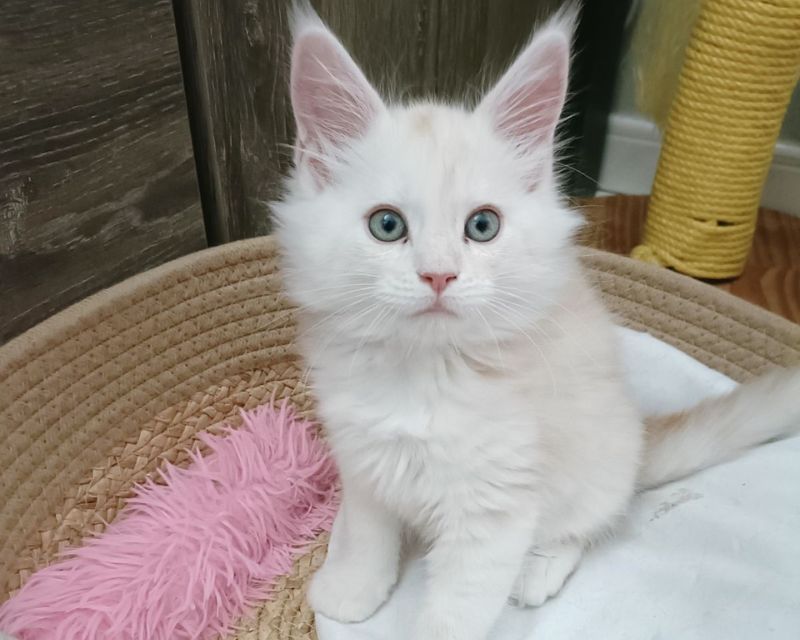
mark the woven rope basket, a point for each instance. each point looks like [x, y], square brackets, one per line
[102, 394]
[740, 68]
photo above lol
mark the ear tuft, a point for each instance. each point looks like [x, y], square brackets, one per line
[332, 100]
[302, 17]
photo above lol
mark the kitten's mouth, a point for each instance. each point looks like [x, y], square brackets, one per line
[436, 309]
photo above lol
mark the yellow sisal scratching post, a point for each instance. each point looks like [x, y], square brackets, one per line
[740, 67]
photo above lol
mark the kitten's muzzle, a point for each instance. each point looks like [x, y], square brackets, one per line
[437, 281]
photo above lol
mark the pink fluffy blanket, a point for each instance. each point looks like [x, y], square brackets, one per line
[189, 555]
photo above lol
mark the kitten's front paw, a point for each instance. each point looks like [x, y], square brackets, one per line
[543, 574]
[349, 592]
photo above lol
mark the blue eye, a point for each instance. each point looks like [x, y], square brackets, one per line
[482, 226]
[387, 225]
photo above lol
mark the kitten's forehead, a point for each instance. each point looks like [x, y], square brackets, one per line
[421, 120]
[438, 146]
[434, 125]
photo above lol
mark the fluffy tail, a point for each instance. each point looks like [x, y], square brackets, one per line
[720, 428]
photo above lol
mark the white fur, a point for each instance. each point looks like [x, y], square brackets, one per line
[501, 435]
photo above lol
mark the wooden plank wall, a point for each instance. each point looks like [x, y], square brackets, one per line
[236, 64]
[97, 177]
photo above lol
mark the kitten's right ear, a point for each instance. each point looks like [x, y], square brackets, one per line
[526, 102]
[333, 102]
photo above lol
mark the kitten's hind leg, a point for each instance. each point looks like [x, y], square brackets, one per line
[544, 571]
[363, 561]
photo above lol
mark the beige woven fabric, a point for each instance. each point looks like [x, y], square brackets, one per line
[287, 615]
[91, 399]
[99, 395]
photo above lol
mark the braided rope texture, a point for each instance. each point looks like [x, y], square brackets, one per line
[740, 68]
[99, 396]
[96, 397]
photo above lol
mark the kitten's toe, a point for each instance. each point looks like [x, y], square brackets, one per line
[544, 572]
[348, 593]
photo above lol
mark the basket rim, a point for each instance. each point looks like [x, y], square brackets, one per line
[656, 277]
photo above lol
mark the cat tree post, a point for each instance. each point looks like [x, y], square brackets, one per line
[740, 68]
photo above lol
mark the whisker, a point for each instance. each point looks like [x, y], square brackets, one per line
[494, 335]
[535, 345]
[376, 320]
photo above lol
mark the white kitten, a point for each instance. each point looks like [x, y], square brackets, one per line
[465, 372]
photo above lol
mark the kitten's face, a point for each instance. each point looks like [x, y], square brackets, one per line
[426, 224]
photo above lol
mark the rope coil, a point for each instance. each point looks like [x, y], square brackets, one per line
[740, 67]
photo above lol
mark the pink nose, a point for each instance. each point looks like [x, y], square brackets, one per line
[437, 281]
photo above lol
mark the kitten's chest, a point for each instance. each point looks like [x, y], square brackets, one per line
[429, 442]
[458, 467]
[432, 400]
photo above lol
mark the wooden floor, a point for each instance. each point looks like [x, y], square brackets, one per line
[771, 278]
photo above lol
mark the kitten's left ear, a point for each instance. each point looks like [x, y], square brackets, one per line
[526, 103]
[333, 102]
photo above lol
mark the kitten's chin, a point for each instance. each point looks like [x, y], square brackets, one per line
[437, 309]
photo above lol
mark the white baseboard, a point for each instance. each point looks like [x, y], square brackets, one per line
[631, 156]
